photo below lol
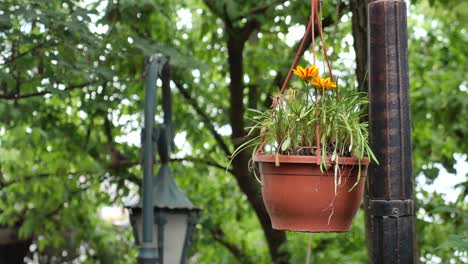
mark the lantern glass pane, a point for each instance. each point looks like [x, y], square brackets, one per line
[139, 227]
[175, 232]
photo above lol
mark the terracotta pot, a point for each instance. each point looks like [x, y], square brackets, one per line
[299, 197]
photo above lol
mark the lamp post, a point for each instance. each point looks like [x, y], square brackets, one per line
[390, 210]
[164, 219]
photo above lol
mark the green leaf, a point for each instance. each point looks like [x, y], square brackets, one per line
[286, 144]
[457, 242]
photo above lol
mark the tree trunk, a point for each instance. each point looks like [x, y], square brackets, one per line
[359, 28]
[13, 250]
[245, 179]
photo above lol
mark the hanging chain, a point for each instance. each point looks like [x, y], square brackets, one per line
[312, 19]
[310, 30]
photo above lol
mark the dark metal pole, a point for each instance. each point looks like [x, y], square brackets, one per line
[167, 103]
[147, 253]
[390, 184]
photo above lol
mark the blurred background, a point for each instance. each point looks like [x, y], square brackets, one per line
[71, 108]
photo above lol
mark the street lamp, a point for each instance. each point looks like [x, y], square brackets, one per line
[174, 221]
[164, 219]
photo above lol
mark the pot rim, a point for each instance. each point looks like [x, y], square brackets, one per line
[308, 159]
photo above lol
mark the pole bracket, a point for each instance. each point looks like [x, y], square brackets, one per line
[390, 208]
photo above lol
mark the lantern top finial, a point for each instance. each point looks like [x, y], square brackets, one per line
[166, 193]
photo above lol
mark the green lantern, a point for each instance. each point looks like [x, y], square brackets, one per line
[164, 219]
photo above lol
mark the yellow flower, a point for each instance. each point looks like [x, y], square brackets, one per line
[306, 74]
[320, 83]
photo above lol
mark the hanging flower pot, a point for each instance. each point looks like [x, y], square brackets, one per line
[312, 149]
[300, 197]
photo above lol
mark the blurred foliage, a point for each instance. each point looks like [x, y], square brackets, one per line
[71, 109]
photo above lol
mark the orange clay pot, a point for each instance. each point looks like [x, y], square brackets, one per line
[299, 197]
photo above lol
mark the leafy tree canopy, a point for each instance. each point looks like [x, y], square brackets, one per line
[72, 93]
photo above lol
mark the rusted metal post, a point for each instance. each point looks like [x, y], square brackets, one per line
[390, 213]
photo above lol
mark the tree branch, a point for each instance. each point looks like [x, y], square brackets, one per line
[205, 118]
[250, 26]
[39, 176]
[17, 96]
[260, 9]
[22, 54]
[218, 235]
[204, 162]
[223, 14]
[129, 177]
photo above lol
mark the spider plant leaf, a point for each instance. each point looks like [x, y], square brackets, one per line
[333, 157]
[358, 178]
[303, 113]
[286, 144]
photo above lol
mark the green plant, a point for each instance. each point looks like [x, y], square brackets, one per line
[315, 120]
